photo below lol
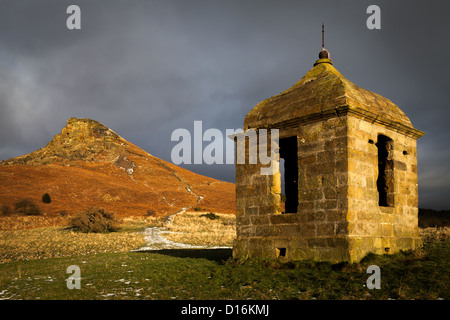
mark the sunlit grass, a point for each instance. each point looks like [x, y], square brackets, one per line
[33, 264]
[203, 274]
[199, 229]
[60, 241]
[17, 222]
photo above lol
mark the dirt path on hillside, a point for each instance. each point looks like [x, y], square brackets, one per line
[153, 235]
[156, 241]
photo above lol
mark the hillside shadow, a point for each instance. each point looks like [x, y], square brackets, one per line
[217, 255]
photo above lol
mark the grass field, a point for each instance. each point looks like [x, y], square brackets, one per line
[110, 271]
[58, 241]
[203, 229]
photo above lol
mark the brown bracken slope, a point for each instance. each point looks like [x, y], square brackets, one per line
[88, 164]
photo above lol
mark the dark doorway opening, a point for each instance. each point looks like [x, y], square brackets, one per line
[288, 152]
[385, 181]
[281, 252]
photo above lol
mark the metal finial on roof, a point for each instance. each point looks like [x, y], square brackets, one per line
[323, 36]
[324, 54]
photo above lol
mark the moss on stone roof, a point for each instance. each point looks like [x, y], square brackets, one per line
[321, 91]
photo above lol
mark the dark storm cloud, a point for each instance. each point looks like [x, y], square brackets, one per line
[145, 68]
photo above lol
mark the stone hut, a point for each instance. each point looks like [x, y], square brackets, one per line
[350, 174]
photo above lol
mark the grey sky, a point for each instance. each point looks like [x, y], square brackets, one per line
[146, 68]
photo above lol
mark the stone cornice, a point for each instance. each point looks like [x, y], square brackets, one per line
[347, 110]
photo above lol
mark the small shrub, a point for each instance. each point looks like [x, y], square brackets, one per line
[150, 213]
[94, 220]
[197, 209]
[6, 210]
[27, 207]
[46, 198]
[63, 213]
[211, 216]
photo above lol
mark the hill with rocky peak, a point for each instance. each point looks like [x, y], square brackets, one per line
[88, 164]
[81, 139]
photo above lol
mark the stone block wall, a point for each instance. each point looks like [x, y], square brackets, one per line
[375, 228]
[317, 231]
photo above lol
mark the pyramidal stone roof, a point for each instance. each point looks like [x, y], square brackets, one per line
[324, 93]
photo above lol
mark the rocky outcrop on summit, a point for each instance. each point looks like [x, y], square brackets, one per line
[81, 139]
